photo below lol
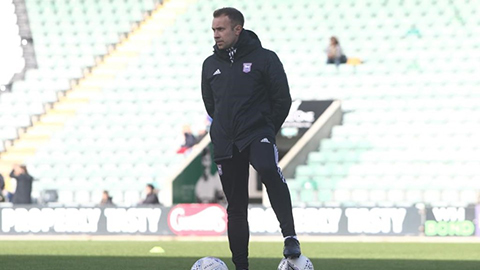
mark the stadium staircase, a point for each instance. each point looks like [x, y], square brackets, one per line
[44, 125]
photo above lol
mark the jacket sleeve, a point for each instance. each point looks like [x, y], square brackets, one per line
[207, 94]
[278, 91]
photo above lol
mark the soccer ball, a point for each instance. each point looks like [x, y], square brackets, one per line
[300, 263]
[209, 263]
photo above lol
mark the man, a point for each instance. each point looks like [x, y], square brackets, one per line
[245, 91]
[151, 196]
[2, 186]
[23, 191]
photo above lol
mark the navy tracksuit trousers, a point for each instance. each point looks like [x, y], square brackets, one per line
[263, 155]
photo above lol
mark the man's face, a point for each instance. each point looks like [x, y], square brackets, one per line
[17, 170]
[224, 33]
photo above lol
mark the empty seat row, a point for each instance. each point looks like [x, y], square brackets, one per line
[337, 144]
[380, 197]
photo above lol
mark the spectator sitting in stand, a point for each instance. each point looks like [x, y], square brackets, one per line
[106, 199]
[152, 197]
[335, 53]
[190, 140]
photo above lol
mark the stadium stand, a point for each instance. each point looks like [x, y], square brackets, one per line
[10, 47]
[410, 112]
[66, 49]
[411, 109]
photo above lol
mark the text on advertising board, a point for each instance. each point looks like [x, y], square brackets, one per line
[449, 221]
[198, 219]
[61, 220]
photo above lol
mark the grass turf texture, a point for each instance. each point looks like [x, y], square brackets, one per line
[91, 255]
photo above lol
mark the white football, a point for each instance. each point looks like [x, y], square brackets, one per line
[209, 263]
[300, 263]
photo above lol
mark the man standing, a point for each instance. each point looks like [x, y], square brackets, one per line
[2, 186]
[23, 192]
[245, 91]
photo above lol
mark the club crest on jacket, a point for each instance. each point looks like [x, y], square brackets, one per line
[247, 67]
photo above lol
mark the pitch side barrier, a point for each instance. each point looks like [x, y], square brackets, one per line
[211, 220]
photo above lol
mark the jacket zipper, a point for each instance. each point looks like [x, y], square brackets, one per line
[229, 114]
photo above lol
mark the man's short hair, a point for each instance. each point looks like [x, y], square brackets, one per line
[150, 186]
[235, 16]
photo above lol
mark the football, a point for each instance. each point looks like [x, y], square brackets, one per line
[300, 263]
[209, 263]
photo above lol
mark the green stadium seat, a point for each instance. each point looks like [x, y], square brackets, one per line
[325, 195]
[304, 171]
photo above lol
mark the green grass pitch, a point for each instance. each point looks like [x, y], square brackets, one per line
[90, 255]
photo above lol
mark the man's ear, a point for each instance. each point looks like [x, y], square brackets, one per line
[238, 28]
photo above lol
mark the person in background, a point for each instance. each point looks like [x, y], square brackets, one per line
[2, 187]
[106, 199]
[23, 191]
[190, 140]
[208, 188]
[152, 197]
[335, 53]
[189, 137]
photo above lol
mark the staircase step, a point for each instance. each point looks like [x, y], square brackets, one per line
[119, 59]
[21, 151]
[29, 143]
[82, 88]
[105, 69]
[80, 94]
[57, 117]
[41, 130]
[37, 135]
[15, 158]
[70, 106]
[96, 82]
[67, 99]
[57, 110]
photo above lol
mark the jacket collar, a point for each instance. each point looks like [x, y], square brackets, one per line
[247, 42]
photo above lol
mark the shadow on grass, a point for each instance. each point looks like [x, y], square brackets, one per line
[36, 262]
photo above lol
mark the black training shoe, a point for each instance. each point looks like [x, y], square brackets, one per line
[291, 249]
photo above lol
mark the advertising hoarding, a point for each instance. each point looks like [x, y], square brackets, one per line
[205, 220]
[450, 221]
